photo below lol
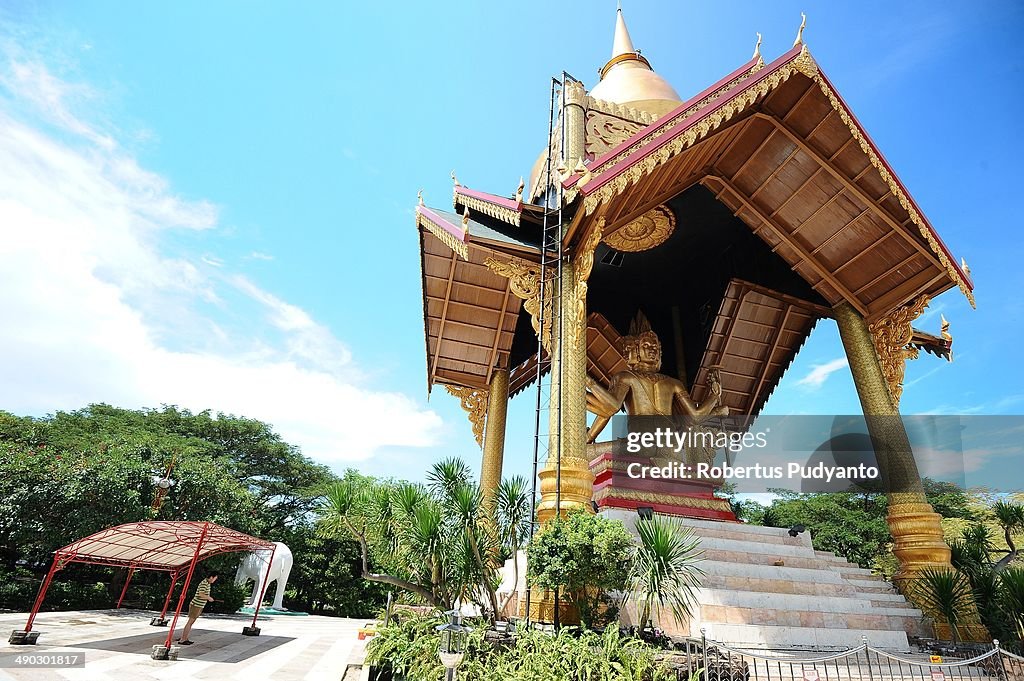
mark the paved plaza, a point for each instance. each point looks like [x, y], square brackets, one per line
[117, 645]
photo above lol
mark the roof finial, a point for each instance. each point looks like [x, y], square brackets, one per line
[419, 196]
[622, 44]
[946, 336]
[800, 33]
[519, 189]
[465, 218]
[757, 48]
[455, 179]
[964, 267]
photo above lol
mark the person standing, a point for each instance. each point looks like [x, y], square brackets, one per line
[195, 608]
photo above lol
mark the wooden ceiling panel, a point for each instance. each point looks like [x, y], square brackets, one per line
[479, 296]
[785, 98]
[761, 167]
[808, 114]
[752, 362]
[755, 133]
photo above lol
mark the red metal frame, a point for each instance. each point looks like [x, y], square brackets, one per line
[266, 577]
[164, 546]
[124, 589]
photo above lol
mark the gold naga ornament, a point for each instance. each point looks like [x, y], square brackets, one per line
[474, 402]
[649, 230]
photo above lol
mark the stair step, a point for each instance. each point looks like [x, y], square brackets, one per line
[806, 636]
[800, 602]
[806, 587]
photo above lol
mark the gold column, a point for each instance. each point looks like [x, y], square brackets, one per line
[494, 437]
[916, 528]
[575, 123]
[568, 422]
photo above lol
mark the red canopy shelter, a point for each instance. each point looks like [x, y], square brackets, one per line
[167, 546]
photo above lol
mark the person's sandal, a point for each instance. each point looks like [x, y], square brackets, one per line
[185, 643]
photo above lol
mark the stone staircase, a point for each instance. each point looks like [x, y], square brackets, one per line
[763, 588]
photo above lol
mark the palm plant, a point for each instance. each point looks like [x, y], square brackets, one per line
[512, 516]
[1011, 596]
[1010, 517]
[665, 571]
[944, 595]
[435, 541]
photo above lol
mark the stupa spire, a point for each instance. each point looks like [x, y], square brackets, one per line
[627, 77]
[622, 44]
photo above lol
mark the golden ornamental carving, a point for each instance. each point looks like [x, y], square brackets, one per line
[605, 132]
[446, 237]
[696, 132]
[713, 504]
[524, 281]
[805, 63]
[474, 402]
[582, 266]
[620, 110]
[486, 207]
[644, 233]
[891, 336]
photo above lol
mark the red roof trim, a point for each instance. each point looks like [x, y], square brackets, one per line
[667, 117]
[680, 129]
[502, 201]
[442, 222]
[895, 177]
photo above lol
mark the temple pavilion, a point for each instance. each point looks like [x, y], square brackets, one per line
[736, 220]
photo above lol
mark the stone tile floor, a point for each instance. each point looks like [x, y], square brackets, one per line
[117, 644]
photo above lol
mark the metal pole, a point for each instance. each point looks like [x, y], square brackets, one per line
[184, 587]
[124, 589]
[42, 592]
[259, 601]
[540, 316]
[167, 601]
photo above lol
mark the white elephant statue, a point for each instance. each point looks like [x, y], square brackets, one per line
[254, 567]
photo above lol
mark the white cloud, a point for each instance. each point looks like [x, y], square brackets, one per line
[91, 301]
[819, 373]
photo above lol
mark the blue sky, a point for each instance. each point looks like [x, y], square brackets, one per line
[210, 204]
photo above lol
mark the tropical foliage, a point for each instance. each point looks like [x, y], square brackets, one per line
[585, 556]
[436, 542]
[410, 648]
[664, 574]
[943, 594]
[71, 474]
[848, 524]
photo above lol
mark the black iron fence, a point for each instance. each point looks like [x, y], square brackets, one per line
[706, 660]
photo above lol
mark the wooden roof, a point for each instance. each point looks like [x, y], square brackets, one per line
[782, 150]
[755, 336]
[469, 312]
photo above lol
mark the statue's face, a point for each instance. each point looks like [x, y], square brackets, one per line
[643, 352]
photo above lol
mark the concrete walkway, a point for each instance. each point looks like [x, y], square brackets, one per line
[117, 644]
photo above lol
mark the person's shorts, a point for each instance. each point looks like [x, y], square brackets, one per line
[195, 611]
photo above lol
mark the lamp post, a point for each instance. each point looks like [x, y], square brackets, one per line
[453, 644]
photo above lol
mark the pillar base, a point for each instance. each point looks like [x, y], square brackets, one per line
[250, 631]
[542, 608]
[165, 653]
[20, 637]
[158, 622]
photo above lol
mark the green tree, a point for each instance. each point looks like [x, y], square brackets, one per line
[434, 542]
[583, 555]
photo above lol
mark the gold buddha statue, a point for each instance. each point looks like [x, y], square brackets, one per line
[644, 391]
